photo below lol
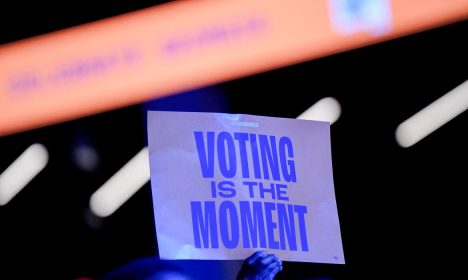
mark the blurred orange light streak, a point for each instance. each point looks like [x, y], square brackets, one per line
[178, 46]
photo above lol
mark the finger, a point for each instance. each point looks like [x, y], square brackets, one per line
[275, 266]
[278, 260]
[274, 272]
[268, 269]
[267, 260]
[255, 256]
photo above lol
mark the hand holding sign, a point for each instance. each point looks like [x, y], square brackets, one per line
[260, 265]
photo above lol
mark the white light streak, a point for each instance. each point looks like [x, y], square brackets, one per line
[22, 171]
[122, 185]
[326, 109]
[433, 116]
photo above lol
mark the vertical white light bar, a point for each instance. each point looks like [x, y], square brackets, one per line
[22, 171]
[122, 185]
[433, 116]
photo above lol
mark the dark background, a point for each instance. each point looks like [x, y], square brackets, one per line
[402, 211]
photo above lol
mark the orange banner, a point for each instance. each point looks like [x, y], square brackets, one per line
[183, 45]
